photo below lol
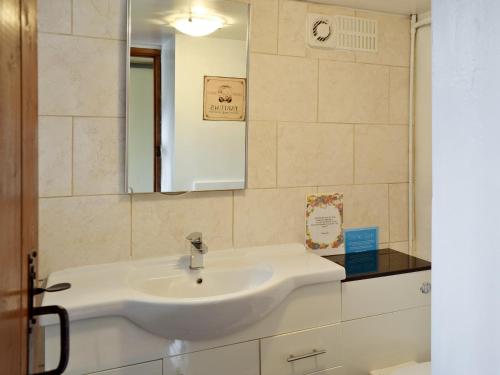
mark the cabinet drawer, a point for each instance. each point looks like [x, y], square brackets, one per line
[302, 352]
[385, 294]
[330, 371]
[150, 368]
[241, 359]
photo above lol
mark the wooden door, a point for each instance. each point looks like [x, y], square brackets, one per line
[18, 176]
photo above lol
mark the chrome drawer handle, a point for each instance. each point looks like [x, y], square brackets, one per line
[425, 288]
[314, 353]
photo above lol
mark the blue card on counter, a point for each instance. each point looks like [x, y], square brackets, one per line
[361, 239]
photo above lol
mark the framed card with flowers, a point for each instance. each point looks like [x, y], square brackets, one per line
[324, 216]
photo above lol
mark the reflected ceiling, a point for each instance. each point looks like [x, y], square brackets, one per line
[151, 30]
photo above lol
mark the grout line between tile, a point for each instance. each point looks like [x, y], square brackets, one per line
[82, 36]
[389, 98]
[131, 238]
[389, 210]
[276, 158]
[72, 28]
[253, 189]
[354, 127]
[314, 123]
[232, 221]
[278, 4]
[80, 116]
[72, 156]
[329, 59]
[317, 91]
[85, 195]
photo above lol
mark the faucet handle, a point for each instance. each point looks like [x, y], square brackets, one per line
[195, 237]
[200, 247]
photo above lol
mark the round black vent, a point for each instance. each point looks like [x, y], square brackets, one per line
[321, 30]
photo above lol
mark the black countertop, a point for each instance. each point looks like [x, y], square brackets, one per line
[377, 263]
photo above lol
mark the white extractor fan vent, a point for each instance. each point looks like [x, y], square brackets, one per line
[342, 32]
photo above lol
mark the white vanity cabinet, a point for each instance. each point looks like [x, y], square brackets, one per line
[149, 368]
[321, 326]
[203, 322]
[241, 359]
[386, 321]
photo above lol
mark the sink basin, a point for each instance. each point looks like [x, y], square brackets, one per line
[237, 288]
[204, 284]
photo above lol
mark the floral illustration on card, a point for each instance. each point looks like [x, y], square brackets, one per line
[324, 216]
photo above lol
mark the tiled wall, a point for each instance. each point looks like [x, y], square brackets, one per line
[320, 120]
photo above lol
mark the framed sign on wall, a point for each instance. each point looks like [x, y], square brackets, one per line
[224, 99]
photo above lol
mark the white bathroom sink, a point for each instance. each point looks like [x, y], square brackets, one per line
[163, 296]
[204, 284]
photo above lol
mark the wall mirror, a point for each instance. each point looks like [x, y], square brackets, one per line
[187, 95]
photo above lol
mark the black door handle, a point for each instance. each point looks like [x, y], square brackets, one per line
[64, 324]
[51, 289]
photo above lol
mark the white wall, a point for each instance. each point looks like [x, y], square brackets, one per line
[141, 130]
[206, 150]
[167, 113]
[423, 140]
[466, 186]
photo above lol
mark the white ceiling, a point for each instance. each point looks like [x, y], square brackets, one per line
[390, 6]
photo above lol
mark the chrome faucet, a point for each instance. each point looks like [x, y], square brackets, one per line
[198, 248]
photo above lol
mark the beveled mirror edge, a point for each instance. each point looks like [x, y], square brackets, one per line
[247, 95]
[129, 189]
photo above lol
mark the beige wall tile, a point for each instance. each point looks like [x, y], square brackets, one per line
[330, 9]
[364, 205]
[269, 216]
[370, 207]
[161, 223]
[380, 154]
[422, 253]
[399, 246]
[54, 156]
[326, 53]
[54, 16]
[100, 18]
[292, 24]
[77, 231]
[398, 205]
[99, 156]
[393, 40]
[264, 26]
[81, 76]
[399, 92]
[261, 154]
[283, 88]
[353, 93]
[315, 154]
